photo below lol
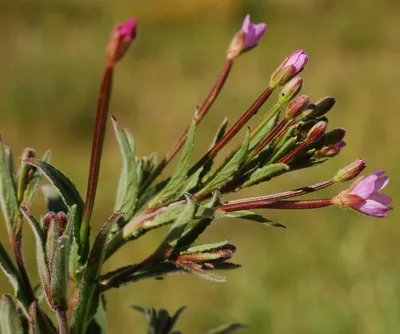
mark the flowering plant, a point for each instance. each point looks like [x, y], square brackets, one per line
[292, 135]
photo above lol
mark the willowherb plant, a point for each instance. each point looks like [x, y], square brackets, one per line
[292, 135]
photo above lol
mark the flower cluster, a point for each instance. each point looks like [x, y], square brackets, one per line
[292, 135]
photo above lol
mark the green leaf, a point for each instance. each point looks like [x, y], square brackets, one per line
[8, 194]
[227, 329]
[12, 320]
[40, 250]
[34, 182]
[264, 131]
[198, 228]
[128, 185]
[177, 182]
[11, 271]
[204, 248]
[204, 170]
[67, 189]
[288, 146]
[89, 292]
[266, 173]
[174, 234]
[249, 215]
[228, 170]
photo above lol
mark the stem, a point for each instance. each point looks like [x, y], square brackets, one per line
[216, 89]
[291, 154]
[268, 117]
[287, 205]
[97, 149]
[268, 138]
[286, 194]
[113, 280]
[233, 130]
[62, 322]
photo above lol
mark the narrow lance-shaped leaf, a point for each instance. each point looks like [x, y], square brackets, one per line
[40, 250]
[67, 189]
[177, 182]
[12, 320]
[89, 291]
[199, 227]
[266, 173]
[128, 183]
[8, 195]
[34, 182]
[10, 271]
[227, 171]
[204, 170]
[179, 226]
[196, 269]
[249, 215]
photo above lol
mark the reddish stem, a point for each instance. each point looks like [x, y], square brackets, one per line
[287, 205]
[208, 102]
[97, 149]
[268, 138]
[291, 154]
[233, 130]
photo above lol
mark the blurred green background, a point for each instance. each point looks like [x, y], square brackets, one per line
[330, 271]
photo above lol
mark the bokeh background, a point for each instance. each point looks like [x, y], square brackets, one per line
[330, 271]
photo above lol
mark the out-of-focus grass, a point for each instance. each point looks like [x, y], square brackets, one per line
[330, 271]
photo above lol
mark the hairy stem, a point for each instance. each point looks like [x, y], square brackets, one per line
[97, 149]
[62, 322]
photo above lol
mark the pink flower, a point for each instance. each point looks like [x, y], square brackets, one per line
[364, 196]
[247, 38]
[252, 32]
[290, 67]
[297, 59]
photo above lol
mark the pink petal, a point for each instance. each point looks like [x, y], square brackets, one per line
[365, 187]
[246, 23]
[381, 183]
[381, 198]
[372, 208]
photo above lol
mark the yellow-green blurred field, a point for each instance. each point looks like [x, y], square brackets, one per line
[331, 271]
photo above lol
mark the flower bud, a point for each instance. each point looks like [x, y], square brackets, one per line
[335, 136]
[290, 90]
[297, 106]
[120, 40]
[48, 218]
[247, 38]
[62, 220]
[350, 171]
[290, 67]
[317, 131]
[330, 151]
[322, 106]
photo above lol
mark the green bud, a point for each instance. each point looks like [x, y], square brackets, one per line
[290, 90]
[350, 171]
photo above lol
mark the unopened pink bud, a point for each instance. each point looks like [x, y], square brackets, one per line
[317, 131]
[350, 171]
[297, 106]
[330, 151]
[120, 40]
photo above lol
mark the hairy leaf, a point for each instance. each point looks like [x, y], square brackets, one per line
[177, 182]
[249, 215]
[266, 173]
[228, 170]
[128, 185]
[12, 320]
[8, 195]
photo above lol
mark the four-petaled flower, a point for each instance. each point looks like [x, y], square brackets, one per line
[364, 196]
[252, 32]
